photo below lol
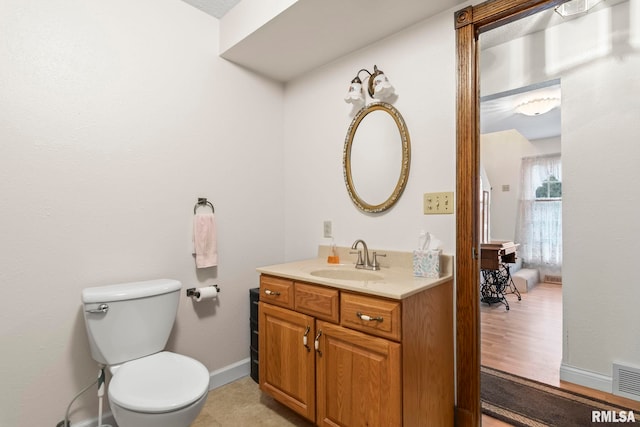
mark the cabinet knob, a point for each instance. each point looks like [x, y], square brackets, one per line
[274, 293]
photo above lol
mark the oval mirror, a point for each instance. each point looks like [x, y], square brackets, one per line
[376, 157]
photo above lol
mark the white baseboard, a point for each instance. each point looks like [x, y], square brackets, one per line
[586, 378]
[229, 373]
[217, 378]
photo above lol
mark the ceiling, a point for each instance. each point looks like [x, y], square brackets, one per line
[217, 8]
[334, 28]
[308, 34]
[497, 110]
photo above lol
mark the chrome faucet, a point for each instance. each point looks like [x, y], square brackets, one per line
[362, 263]
[366, 263]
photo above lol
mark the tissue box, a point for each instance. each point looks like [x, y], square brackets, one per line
[427, 263]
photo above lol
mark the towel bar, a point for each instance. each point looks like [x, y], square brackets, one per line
[202, 201]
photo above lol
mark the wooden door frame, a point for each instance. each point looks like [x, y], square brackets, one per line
[470, 22]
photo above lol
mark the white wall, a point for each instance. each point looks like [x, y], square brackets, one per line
[600, 164]
[501, 155]
[420, 63]
[115, 116]
[597, 58]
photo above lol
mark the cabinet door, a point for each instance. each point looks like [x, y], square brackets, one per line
[287, 366]
[359, 378]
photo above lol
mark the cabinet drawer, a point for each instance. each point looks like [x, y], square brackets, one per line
[372, 315]
[317, 301]
[275, 290]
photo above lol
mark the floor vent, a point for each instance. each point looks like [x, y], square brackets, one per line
[556, 280]
[626, 381]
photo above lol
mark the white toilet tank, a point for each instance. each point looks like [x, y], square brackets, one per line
[130, 320]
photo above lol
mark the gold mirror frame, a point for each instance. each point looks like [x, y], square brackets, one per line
[406, 157]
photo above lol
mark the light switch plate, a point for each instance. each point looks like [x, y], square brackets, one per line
[438, 203]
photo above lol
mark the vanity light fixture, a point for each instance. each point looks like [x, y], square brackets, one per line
[575, 7]
[378, 87]
[537, 106]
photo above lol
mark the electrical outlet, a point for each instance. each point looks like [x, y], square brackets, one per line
[438, 203]
[327, 229]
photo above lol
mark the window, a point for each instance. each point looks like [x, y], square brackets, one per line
[551, 188]
[539, 223]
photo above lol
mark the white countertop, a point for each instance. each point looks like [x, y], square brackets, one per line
[395, 282]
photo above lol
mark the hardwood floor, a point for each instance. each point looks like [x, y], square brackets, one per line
[527, 341]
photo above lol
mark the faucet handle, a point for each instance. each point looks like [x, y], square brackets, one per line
[375, 265]
[360, 262]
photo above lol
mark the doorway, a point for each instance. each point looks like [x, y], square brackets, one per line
[592, 283]
[520, 162]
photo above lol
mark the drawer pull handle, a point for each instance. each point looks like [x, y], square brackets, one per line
[274, 293]
[369, 318]
[316, 343]
[305, 339]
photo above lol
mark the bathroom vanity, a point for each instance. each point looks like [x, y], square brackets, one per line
[347, 347]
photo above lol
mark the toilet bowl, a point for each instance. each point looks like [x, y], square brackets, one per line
[162, 390]
[128, 326]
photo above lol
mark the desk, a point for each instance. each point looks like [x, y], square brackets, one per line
[496, 280]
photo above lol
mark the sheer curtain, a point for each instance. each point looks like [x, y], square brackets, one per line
[539, 223]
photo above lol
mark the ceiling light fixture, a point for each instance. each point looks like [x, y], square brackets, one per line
[537, 106]
[378, 87]
[575, 7]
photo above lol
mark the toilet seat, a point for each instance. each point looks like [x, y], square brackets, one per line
[162, 382]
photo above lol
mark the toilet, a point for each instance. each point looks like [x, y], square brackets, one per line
[128, 325]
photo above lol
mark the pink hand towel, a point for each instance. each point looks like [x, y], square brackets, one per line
[204, 240]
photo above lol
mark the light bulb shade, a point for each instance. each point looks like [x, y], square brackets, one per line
[537, 106]
[378, 87]
[354, 95]
[382, 89]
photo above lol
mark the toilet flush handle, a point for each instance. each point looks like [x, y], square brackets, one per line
[102, 308]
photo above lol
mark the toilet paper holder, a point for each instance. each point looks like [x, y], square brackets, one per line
[193, 292]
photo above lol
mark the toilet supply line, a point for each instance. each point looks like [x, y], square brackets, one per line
[66, 422]
[100, 396]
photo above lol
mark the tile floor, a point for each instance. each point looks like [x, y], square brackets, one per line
[240, 404]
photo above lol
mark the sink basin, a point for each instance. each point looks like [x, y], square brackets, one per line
[351, 274]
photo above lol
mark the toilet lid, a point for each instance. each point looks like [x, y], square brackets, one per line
[162, 382]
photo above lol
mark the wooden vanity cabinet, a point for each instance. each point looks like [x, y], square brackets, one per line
[378, 362]
[358, 379]
[287, 367]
